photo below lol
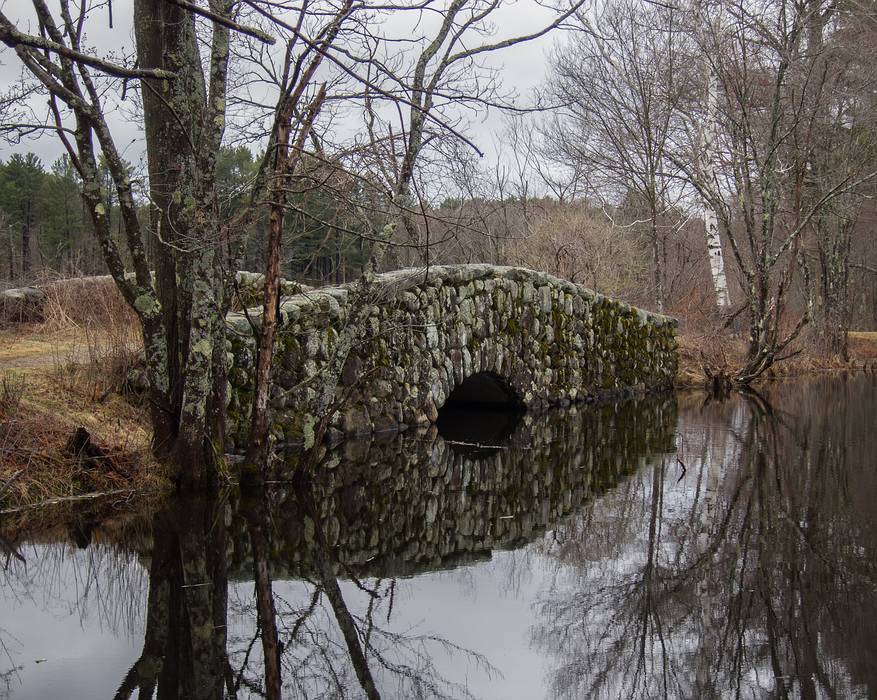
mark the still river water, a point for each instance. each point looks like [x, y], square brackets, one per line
[669, 547]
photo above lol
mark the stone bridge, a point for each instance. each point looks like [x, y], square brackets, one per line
[467, 332]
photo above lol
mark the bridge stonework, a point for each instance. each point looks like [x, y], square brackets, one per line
[551, 341]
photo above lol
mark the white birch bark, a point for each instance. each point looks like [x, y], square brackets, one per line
[707, 157]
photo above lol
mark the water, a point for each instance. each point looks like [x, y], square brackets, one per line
[662, 548]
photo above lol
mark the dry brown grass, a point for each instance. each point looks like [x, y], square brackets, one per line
[863, 345]
[36, 423]
[23, 346]
[68, 372]
[707, 354]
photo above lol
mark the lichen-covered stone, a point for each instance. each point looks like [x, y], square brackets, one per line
[552, 341]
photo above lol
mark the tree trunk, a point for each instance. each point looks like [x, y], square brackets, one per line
[25, 240]
[257, 453]
[9, 239]
[707, 169]
[284, 165]
[182, 137]
[710, 219]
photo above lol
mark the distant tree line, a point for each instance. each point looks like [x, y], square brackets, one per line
[41, 219]
[45, 230]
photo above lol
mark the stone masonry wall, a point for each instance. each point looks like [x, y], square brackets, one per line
[552, 341]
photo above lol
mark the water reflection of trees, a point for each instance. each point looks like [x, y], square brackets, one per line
[372, 513]
[749, 577]
[314, 644]
[184, 639]
[292, 592]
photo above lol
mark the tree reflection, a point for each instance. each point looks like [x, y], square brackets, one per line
[254, 508]
[324, 647]
[745, 579]
[184, 640]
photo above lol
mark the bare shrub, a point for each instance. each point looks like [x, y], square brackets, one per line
[580, 244]
[85, 301]
[103, 343]
[11, 392]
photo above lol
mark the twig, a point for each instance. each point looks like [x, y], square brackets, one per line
[66, 499]
[5, 487]
[477, 444]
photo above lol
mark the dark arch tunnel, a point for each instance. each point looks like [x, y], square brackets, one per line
[482, 410]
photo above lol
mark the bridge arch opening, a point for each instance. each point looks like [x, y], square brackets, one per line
[485, 390]
[483, 410]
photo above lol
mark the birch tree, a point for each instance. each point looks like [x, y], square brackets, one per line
[706, 136]
[771, 92]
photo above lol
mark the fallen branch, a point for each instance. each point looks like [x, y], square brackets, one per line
[67, 499]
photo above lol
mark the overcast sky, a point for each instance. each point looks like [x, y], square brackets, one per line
[522, 68]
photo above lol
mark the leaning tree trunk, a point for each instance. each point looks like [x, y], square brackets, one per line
[255, 509]
[286, 158]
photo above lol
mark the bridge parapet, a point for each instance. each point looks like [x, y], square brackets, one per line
[552, 342]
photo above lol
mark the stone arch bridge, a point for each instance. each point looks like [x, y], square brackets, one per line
[477, 332]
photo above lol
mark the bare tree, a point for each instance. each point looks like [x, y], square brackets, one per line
[615, 82]
[443, 76]
[842, 143]
[772, 90]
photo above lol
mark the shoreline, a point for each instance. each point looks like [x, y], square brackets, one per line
[49, 388]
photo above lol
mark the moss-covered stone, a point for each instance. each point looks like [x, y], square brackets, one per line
[552, 341]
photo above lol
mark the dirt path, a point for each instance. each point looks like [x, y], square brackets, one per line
[31, 351]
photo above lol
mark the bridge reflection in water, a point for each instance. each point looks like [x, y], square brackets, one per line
[578, 558]
[409, 504]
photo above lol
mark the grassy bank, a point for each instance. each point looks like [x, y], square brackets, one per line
[705, 355]
[55, 383]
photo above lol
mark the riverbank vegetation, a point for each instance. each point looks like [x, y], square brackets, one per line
[71, 420]
[715, 161]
